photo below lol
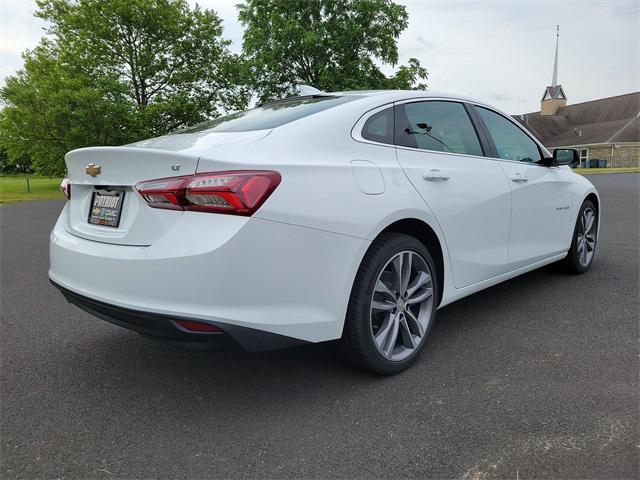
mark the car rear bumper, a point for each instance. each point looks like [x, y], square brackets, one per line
[230, 271]
[165, 328]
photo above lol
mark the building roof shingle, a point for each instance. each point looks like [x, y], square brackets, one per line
[607, 120]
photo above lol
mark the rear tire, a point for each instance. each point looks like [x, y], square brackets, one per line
[392, 305]
[583, 244]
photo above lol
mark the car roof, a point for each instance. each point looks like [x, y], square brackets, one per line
[387, 96]
[406, 94]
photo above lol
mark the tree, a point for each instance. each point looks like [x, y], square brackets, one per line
[50, 110]
[329, 44]
[114, 72]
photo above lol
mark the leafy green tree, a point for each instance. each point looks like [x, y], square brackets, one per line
[114, 72]
[329, 44]
[50, 109]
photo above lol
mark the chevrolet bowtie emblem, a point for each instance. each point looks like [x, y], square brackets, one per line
[92, 169]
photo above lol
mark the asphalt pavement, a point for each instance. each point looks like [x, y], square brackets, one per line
[534, 378]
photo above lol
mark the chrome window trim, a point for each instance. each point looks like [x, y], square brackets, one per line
[356, 131]
[438, 152]
[525, 163]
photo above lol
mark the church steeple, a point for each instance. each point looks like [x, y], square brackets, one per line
[554, 81]
[553, 97]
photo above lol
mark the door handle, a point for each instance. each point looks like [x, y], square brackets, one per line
[518, 178]
[435, 175]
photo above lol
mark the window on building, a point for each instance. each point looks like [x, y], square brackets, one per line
[584, 157]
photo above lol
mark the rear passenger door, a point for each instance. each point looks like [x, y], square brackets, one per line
[541, 216]
[441, 153]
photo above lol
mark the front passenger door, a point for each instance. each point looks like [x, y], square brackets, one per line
[541, 216]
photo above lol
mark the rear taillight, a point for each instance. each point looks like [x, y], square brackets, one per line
[234, 192]
[163, 193]
[65, 187]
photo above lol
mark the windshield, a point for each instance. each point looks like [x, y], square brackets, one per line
[269, 115]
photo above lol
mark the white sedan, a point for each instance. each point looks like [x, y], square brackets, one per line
[350, 216]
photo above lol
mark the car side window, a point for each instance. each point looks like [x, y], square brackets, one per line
[510, 141]
[436, 125]
[379, 127]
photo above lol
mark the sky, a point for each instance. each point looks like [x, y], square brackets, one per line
[498, 51]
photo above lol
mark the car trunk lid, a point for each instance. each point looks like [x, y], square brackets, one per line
[103, 171]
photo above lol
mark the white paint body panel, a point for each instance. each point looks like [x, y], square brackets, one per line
[289, 268]
[368, 177]
[472, 207]
[541, 215]
[215, 269]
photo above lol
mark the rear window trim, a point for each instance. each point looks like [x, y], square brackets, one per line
[392, 126]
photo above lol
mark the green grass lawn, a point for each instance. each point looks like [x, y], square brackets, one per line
[13, 188]
[592, 171]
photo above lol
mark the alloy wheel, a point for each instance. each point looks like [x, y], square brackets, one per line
[586, 237]
[401, 305]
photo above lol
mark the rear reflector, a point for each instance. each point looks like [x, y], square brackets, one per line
[198, 327]
[239, 192]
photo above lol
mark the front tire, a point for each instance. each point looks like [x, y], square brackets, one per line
[583, 245]
[392, 305]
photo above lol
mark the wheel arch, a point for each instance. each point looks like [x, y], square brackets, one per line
[423, 232]
[585, 190]
[593, 198]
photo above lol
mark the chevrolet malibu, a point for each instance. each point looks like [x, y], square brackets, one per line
[348, 216]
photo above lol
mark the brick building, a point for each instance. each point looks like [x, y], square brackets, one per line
[604, 130]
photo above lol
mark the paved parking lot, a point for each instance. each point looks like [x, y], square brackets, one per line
[537, 377]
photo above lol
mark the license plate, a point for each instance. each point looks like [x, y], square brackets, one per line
[106, 207]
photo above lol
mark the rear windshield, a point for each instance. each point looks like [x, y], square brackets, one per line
[269, 115]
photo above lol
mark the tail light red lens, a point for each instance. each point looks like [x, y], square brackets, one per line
[163, 193]
[65, 187]
[239, 192]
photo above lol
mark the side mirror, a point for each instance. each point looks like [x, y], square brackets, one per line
[566, 156]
